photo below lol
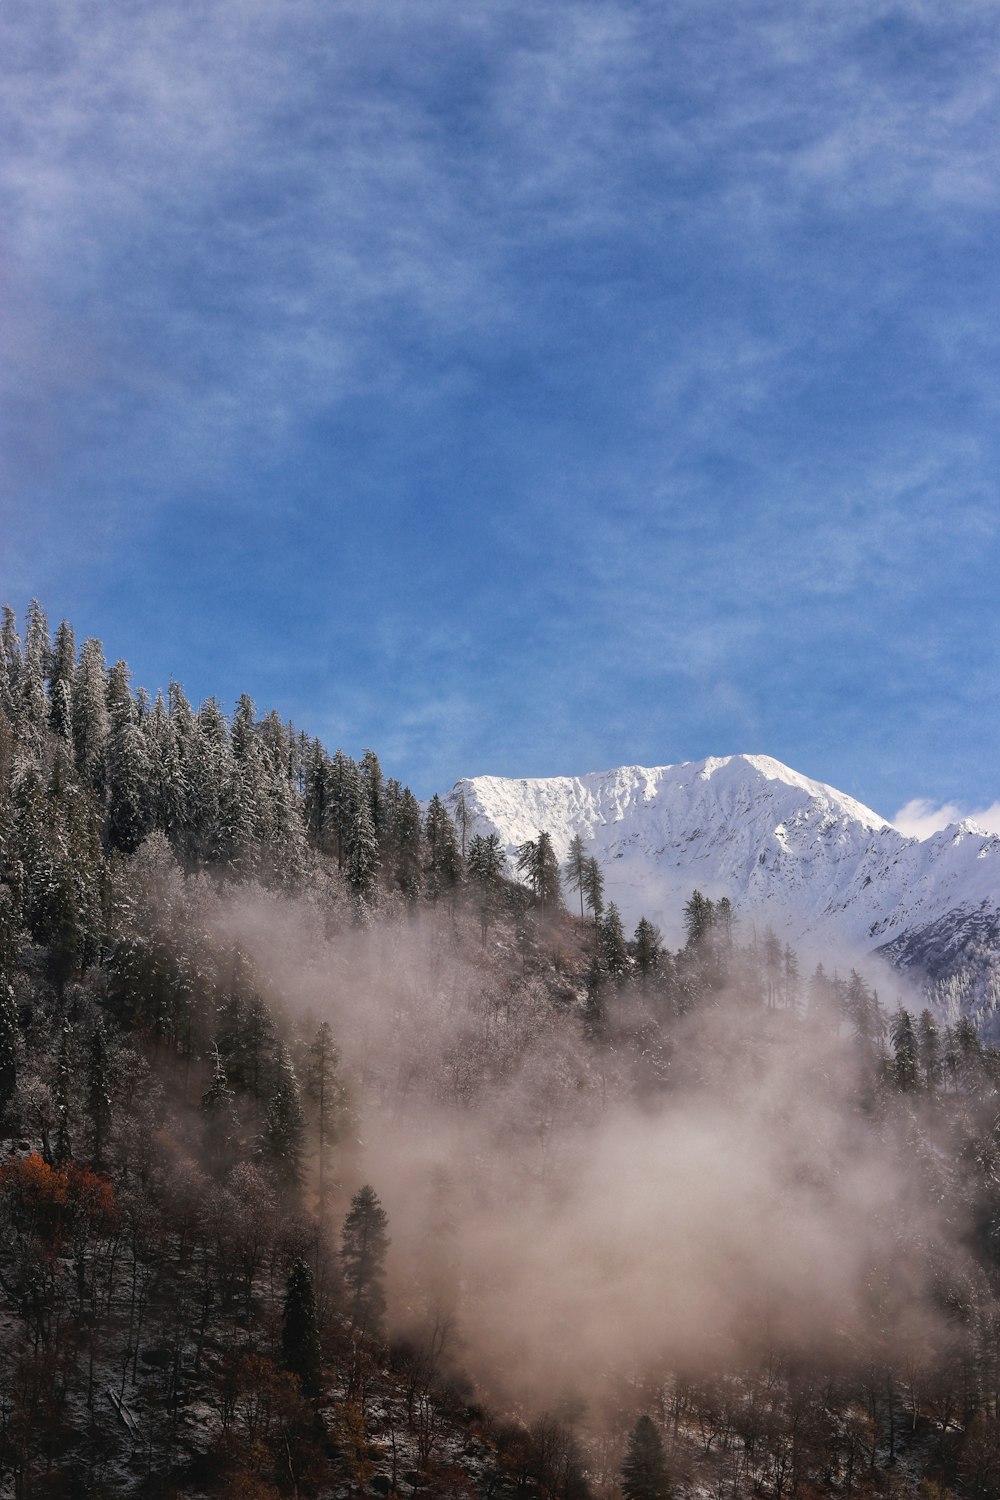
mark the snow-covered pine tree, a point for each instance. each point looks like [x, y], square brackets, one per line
[127, 769]
[90, 714]
[282, 1140]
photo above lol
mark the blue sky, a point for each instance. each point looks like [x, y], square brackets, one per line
[516, 388]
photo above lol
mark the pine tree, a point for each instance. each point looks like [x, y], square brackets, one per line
[576, 867]
[595, 1015]
[61, 683]
[325, 1090]
[363, 1252]
[10, 1044]
[614, 953]
[63, 1145]
[904, 1044]
[408, 838]
[300, 1348]
[644, 1469]
[485, 867]
[648, 944]
[593, 888]
[219, 1116]
[342, 791]
[486, 859]
[699, 915]
[362, 855]
[282, 1140]
[928, 1050]
[444, 862]
[98, 1091]
[90, 714]
[371, 781]
[536, 860]
[31, 701]
[127, 768]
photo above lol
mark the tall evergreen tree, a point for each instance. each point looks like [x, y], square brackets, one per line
[363, 1251]
[98, 1092]
[63, 1144]
[536, 861]
[904, 1045]
[325, 1089]
[648, 945]
[408, 836]
[10, 1044]
[614, 952]
[282, 1140]
[443, 859]
[370, 774]
[90, 714]
[362, 854]
[300, 1347]
[699, 916]
[485, 867]
[61, 683]
[644, 1468]
[576, 867]
[928, 1050]
[127, 775]
[593, 888]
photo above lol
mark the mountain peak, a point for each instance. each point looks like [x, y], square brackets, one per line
[795, 853]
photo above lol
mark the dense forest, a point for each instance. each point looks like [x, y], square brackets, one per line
[336, 1161]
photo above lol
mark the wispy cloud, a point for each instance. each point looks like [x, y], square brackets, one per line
[920, 817]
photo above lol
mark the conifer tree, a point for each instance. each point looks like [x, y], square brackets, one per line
[648, 945]
[61, 684]
[444, 862]
[614, 953]
[408, 865]
[31, 703]
[300, 1347]
[371, 781]
[928, 1050]
[90, 714]
[282, 1139]
[127, 768]
[904, 1045]
[98, 1091]
[644, 1469]
[325, 1090]
[576, 867]
[362, 862]
[63, 1144]
[10, 1044]
[595, 1015]
[363, 1251]
[699, 916]
[593, 888]
[536, 860]
[217, 1110]
[485, 869]
[342, 791]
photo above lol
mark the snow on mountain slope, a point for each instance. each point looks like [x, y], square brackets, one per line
[790, 853]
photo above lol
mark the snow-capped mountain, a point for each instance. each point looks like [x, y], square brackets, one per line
[790, 853]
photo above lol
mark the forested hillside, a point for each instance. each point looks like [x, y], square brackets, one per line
[335, 1162]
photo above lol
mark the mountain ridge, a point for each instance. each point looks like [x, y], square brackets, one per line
[808, 860]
